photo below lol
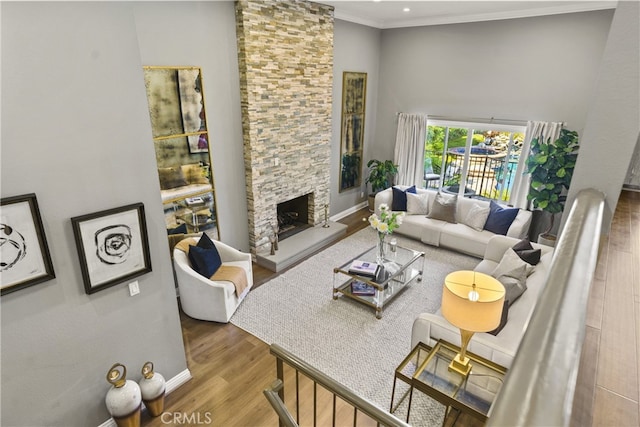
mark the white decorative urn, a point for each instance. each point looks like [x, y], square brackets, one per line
[152, 386]
[124, 398]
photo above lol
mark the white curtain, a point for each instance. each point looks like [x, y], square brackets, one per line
[409, 151]
[546, 131]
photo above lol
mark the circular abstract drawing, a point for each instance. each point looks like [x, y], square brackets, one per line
[113, 244]
[12, 247]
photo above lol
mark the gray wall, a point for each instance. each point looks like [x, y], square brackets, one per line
[203, 34]
[613, 122]
[76, 131]
[541, 68]
[356, 48]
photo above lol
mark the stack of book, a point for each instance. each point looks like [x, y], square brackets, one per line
[361, 288]
[364, 268]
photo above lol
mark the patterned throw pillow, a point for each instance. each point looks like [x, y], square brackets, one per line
[477, 217]
[417, 204]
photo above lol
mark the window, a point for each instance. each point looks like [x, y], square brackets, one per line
[482, 156]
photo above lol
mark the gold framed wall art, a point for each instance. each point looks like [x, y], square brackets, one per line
[354, 98]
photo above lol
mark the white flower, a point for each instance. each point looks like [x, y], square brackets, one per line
[387, 222]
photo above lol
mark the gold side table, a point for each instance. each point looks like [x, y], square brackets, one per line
[426, 369]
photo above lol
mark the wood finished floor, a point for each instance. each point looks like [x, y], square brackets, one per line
[231, 368]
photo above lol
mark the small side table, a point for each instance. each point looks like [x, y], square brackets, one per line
[427, 370]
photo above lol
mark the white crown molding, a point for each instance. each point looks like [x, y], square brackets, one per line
[493, 16]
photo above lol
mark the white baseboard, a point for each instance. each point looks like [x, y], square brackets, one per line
[171, 385]
[348, 212]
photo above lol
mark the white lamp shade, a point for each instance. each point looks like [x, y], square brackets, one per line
[482, 315]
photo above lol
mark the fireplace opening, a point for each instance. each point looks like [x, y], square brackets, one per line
[293, 216]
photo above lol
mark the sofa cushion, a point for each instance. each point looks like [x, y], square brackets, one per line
[171, 178]
[444, 208]
[500, 218]
[205, 261]
[511, 261]
[526, 252]
[503, 318]
[462, 238]
[514, 282]
[519, 228]
[205, 242]
[399, 201]
[193, 173]
[477, 217]
[417, 204]
[181, 229]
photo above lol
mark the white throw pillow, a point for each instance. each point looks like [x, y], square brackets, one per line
[511, 261]
[417, 204]
[477, 217]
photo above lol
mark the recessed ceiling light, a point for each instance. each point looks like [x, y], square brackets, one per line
[406, 9]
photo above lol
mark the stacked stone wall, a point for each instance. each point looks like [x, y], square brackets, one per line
[285, 53]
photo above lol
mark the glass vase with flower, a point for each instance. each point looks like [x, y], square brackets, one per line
[384, 224]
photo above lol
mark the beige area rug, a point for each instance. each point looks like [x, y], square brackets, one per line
[343, 338]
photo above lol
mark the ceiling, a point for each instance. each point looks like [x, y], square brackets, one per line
[391, 14]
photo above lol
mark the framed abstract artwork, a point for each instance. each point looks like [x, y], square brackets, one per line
[354, 96]
[113, 246]
[24, 254]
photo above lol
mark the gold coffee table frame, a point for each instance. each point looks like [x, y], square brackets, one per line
[402, 268]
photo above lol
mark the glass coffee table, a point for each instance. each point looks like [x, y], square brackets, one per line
[399, 268]
[427, 369]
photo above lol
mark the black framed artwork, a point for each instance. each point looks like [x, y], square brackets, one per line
[24, 255]
[113, 246]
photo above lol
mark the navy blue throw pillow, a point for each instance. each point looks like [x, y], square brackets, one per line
[205, 261]
[181, 229]
[205, 242]
[500, 218]
[399, 201]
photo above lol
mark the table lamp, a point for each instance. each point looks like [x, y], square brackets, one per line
[472, 302]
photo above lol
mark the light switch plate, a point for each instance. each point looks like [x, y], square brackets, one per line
[134, 288]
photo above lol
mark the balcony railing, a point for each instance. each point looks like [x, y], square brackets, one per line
[490, 175]
[360, 408]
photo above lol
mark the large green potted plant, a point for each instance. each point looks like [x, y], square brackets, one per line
[551, 166]
[381, 174]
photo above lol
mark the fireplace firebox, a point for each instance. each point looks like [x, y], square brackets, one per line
[293, 216]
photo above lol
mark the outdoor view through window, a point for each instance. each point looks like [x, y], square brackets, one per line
[484, 157]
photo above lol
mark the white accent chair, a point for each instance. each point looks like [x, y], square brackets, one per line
[204, 299]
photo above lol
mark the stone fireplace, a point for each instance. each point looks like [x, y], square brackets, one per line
[285, 56]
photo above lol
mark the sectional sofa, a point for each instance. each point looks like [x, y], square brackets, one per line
[501, 348]
[463, 235]
[458, 236]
